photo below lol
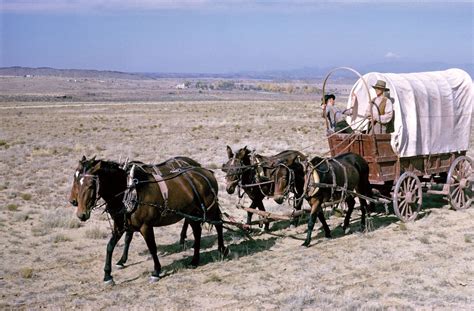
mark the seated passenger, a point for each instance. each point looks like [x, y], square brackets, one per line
[336, 116]
[382, 110]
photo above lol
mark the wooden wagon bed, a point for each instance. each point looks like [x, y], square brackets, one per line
[384, 164]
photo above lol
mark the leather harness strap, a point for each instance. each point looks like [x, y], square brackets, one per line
[162, 184]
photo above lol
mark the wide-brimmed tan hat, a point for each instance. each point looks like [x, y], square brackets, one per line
[380, 85]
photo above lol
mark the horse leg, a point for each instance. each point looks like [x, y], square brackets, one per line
[148, 235]
[249, 214]
[363, 210]
[116, 235]
[295, 220]
[315, 210]
[262, 208]
[197, 242]
[182, 239]
[299, 190]
[220, 240]
[128, 239]
[322, 219]
[350, 207]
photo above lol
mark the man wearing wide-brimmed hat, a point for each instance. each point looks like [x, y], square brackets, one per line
[382, 109]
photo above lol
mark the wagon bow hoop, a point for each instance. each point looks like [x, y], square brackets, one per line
[363, 80]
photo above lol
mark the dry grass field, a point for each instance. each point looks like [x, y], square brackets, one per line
[52, 260]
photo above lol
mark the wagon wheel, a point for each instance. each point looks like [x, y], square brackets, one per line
[407, 197]
[460, 183]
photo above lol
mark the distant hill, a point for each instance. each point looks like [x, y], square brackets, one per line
[69, 73]
[305, 73]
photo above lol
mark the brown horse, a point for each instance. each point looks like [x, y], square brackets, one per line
[254, 175]
[114, 199]
[104, 179]
[326, 181]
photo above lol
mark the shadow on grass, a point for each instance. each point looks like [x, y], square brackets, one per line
[378, 220]
[243, 249]
[208, 241]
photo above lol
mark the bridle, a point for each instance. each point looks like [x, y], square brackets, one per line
[95, 184]
[235, 170]
[291, 178]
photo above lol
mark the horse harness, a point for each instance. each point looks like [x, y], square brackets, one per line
[313, 173]
[131, 197]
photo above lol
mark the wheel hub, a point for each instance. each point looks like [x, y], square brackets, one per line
[409, 197]
[464, 183]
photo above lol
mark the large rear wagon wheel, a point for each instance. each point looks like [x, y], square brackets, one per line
[459, 180]
[407, 197]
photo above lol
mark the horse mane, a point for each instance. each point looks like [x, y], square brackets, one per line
[316, 160]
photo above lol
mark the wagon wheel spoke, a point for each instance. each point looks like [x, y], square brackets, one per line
[455, 192]
[409, 211]
[402, 208]
[412, 184]
[463, 200]
[405, 186]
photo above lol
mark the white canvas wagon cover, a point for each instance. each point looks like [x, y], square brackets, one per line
[433, 110]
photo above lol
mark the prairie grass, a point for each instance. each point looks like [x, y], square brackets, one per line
[60, 219]
[468, 238]
[58, 238]
[40, 230]
[12, 207]
[424, 240]
[20, 217]
[25, 196]
[26, 272]
[95, 233]
[213, 278]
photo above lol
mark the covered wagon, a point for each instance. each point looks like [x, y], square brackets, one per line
[429, 140]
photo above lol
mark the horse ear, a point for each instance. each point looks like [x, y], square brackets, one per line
[230, 154]
[242, 153]
[83, 159]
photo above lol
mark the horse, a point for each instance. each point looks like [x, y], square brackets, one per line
[114, 201]
[326, 180]
[107, 179]
[253, 174]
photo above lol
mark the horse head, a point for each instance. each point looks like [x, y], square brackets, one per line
[283, 179]
[82, 166]
[235, 167]
[85, 190]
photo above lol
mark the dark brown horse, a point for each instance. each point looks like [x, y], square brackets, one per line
[113, 200]
[109, 181]
[254, 175]
[326, 181]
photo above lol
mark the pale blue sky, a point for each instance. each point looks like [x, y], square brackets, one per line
[230, 36]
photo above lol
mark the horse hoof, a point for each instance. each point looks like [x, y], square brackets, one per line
[154, 279]
[193, 265]
[120, 266]
[305, 244]
[225, 252]
[292, 226]
[109, 282]
[346, 231]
